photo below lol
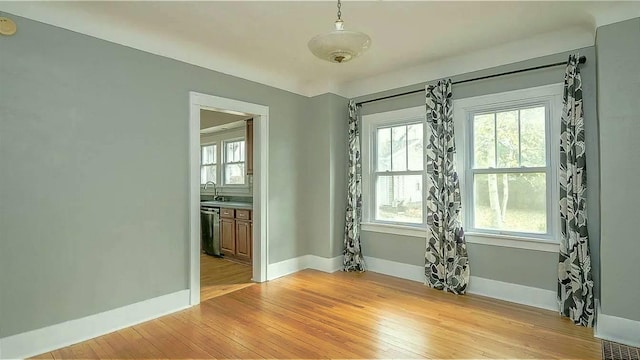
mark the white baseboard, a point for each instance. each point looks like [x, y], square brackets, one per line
[617, 329]
[525, 295]
[291, 266]
[396, 269]
[57, 336]
[520, 294]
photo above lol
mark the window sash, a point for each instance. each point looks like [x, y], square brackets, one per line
[471, 170]
[374, 197]
[499, 109]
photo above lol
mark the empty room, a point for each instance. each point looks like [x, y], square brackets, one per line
[319, 179]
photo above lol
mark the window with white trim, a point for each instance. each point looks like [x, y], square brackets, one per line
[510, 152]
[393, 168]
[234, 162]
[208, 163]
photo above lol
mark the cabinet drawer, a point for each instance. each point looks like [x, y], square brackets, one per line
[227, 213]
[243, 214]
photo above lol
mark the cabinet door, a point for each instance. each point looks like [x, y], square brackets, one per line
[249, 147]
[243, 240]
[228, 236]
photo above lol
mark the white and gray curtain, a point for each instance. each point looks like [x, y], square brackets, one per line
[575, 283]
[353, 260]
[446, 260]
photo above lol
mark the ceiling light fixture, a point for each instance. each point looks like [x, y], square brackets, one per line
[340, 45]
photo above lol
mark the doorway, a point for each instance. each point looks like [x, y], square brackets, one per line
[223, 182]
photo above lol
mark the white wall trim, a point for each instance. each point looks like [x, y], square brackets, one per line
[57, 336]
[395, 229]
[290, 266]
[197, 102]
[512, 242]
[520, 294]
[617, 329]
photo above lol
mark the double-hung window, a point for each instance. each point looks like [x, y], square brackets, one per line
[234, 158]
[510, 154]
[208, 163]
[393, 168]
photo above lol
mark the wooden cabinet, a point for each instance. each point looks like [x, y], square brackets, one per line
[249, 147]
[228, 236]
[243, 240]
[236, 233]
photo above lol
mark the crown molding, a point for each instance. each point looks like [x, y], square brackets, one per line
[101, 27]
[521, 50]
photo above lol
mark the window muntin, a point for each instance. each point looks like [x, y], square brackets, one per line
[234, 162]
[510, 171]
[208, 163]
[398, 177]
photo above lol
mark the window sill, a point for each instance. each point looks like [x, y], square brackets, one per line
[511, 241]
[395, 229]
[517, 242]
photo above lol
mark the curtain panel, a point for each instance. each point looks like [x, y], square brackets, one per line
[575, 283]
[353, 260]
[446, 260]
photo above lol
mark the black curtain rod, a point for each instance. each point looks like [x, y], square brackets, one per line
[581, 60]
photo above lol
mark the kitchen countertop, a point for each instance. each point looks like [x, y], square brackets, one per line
[228, 204]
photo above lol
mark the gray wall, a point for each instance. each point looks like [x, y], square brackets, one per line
[324, 173]
[94, 173]
[619, 112]
[526, 267]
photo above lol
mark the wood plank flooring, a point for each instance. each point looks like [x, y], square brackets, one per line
[312, 314]
[221, 276]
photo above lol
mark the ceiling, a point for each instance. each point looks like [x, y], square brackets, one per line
[266, 41]
[216, 121]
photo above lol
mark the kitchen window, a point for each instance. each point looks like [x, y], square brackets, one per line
[393, 169]
[234, 162]
[510, 151]
[208, 164]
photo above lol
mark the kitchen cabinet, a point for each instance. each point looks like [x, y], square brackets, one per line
[248, 138]
[243, 240]
[236, 232]
[228, 236]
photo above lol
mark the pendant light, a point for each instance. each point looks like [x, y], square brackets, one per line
[340, 45]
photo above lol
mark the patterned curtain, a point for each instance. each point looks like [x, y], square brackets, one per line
[575, 285]
[446, 260]
[353, 260]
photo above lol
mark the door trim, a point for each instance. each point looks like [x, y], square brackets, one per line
[198, 101]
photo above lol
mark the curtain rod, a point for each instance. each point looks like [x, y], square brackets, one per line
[581, 60]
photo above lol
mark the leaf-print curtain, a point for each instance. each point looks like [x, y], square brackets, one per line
[446, 260]
[353, 260]
[575, 284]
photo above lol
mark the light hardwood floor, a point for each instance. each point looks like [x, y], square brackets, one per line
[312, 314]
[221, 276]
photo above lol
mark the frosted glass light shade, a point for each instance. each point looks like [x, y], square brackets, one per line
[340, 45]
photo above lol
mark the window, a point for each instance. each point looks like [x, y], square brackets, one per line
[393, 168]
[509, 163]
[234, 156]
[208, 167]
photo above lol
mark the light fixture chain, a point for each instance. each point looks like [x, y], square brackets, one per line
[339, 11]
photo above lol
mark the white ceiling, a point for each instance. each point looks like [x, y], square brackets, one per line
[266, 41]
[216, 121]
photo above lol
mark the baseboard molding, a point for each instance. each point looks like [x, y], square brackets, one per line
[57, 336]
[520, 294]
[617, 329]
[290, 266]
[516, 293]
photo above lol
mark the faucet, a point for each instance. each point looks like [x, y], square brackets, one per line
[215, 189]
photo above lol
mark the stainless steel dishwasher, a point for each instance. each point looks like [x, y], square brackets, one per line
[210, 230]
